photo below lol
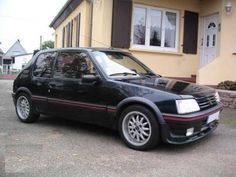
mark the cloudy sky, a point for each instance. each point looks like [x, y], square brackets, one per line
[26, 20]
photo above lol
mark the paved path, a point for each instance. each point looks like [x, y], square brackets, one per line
[56, 147]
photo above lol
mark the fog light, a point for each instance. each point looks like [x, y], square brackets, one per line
[189, 131]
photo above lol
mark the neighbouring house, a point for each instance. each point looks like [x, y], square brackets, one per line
[175, 38]
[21, 61]
[14, 59]
[1, 55]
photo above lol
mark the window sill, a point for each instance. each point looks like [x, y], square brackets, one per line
[156, 51]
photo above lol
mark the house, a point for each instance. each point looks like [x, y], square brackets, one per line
[1, 55]
[175, 38]
[21, 61]
[8, 63]
[15, 49]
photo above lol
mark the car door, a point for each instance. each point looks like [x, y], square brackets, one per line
[41, 75]
[70, 96]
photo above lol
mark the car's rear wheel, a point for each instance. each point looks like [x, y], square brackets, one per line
[24, 108]
[139, 128]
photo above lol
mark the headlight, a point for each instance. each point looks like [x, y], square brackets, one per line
[217, 96]
[187, 106]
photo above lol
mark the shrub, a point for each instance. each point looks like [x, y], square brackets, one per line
[227, 85]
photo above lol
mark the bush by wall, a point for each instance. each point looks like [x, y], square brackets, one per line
[227, 85]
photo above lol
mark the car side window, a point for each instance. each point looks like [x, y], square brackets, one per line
[44, 64]
[73, 65]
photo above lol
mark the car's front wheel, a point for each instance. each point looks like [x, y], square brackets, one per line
[139, 128]
[24, 108]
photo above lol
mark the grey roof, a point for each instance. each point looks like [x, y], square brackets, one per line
[23, 54]
[7, 57]
[15, 49]
[66, 10]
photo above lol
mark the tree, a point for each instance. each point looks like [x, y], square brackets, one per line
[48, 45]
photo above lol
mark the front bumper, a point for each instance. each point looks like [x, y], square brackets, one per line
[175, 127]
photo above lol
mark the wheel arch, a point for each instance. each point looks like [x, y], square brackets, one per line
[138, 101]
[23, 89]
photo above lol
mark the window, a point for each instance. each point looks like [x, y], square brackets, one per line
[56, 38]
[155, 28]
[139, 26]
[71, 32]
[73, 65]
[44, 64]
[214, 40]
[68, 27]
[63, 37]
[208, 40]
[77, 19]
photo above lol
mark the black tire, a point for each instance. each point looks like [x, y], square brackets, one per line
[32, 115]
[146, 128]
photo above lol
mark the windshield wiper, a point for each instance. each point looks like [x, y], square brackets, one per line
[124, 74]
[149, 74]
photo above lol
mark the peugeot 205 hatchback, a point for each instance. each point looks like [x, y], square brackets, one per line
[112, 88]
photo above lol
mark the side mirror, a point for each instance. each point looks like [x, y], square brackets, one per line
[90, 79]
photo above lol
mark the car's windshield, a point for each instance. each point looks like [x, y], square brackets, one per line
[119, 64]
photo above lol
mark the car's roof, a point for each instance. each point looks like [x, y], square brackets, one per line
[90, 49]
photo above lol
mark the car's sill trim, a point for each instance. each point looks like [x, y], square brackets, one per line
[75, 103]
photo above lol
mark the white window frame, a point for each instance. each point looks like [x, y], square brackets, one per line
[148, 27]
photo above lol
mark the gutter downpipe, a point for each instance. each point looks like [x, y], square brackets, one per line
[90, 22]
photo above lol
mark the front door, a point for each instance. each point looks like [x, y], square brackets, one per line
[210, 39]
[41, 76]
[7, 66]
[69, 96]
[6, 69]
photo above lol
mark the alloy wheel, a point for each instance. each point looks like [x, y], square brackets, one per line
[23, 107]
[136, 128]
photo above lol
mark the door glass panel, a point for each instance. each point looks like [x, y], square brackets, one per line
[73, 65]
[214, 40]
[155, 33]
[208, 38]
[139, 25]
[211, 25]
[44, 64]
[170, 29]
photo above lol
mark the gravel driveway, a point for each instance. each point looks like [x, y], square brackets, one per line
[58, 147]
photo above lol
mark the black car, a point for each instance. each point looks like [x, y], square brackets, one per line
[113, 89]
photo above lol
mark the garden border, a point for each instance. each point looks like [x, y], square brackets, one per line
[228, 98]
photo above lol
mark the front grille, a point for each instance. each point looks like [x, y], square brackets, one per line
[206, 102]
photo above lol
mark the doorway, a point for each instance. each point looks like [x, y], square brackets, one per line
[209, 42]
[6, 69]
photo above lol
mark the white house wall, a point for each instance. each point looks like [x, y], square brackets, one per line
[20, 61]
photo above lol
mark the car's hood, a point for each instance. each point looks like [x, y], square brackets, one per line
[173, 86]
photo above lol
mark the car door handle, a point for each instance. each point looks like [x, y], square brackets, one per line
[52, 85]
